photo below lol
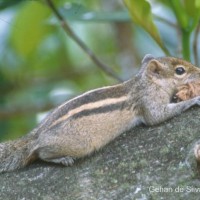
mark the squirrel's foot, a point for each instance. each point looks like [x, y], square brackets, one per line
[67, 161]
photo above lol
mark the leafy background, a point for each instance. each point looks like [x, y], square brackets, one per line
[41, 66]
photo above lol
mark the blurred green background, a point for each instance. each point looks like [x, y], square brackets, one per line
[41, 66]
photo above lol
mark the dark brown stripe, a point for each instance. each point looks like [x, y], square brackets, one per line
[100, 110]
[101, 94]
[94, 111]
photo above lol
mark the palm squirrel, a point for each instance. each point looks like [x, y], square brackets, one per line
[88, 122]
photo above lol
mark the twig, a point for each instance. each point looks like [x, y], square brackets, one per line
[195, 44]
[162, 19]
[84, 47]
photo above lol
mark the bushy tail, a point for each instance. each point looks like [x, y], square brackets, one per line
[16, 154]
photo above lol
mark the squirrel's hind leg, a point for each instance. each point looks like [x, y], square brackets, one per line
[67, 161]
[49, 154]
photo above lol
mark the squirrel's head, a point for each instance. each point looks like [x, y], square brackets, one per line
[169, 71]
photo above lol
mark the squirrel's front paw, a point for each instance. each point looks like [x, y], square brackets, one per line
[187, 91]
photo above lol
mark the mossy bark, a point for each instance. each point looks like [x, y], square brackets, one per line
[145, 163]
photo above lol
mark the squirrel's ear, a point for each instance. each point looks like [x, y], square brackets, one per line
[147, 58]
[154, 68]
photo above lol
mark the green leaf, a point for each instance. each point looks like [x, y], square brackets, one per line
[192, 10]
[30, 27]
[187, 13]
[141, 15]
[179, 12]
[197, 3]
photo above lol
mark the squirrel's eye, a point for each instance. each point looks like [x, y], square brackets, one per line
[180, 70]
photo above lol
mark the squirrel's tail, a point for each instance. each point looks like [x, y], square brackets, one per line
[16, 154]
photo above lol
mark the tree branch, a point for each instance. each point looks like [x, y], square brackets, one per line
[84, 47]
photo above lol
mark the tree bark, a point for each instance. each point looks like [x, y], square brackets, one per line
[145, 163]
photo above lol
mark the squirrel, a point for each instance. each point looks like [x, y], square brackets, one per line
[86, 123]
